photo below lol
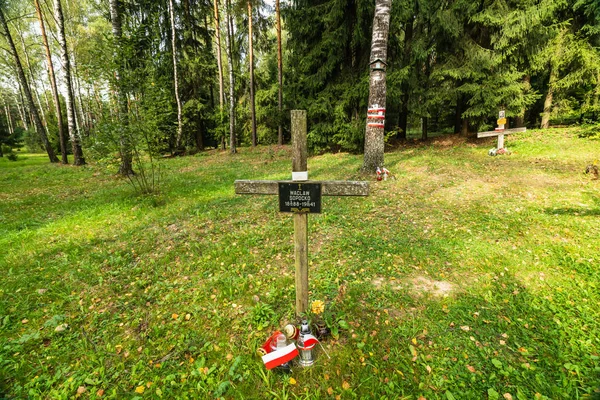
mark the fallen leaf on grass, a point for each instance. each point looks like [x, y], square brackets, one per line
[24, 321]
[188, 316]
[465, 328]
[292, 381]
[330, 390]
[229, 357]
[471, 368]
[81, 390]
[345, 385]
[100, 392]
[174, 316]
[428, 368]
[507, 396]
[140, 389]
[422, 398]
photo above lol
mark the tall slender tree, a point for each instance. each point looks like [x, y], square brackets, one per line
[374, 138]
[126, 167]
[251, 72]
[219, 57]
[279, 73]
[175, 74]
[230, 33]
[78, 158]
[32, 82]
[220, 68]
[29, 98]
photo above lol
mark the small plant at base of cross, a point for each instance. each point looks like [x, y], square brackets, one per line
[324, 321]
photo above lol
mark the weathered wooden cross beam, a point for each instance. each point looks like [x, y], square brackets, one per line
[500, 133]
[301, 196]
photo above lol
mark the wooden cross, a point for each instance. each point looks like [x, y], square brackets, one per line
[500, 131]
[500, 134]
[301, 196]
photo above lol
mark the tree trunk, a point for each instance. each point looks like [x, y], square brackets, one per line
[73, 134]
[9, 122]
[464, 130]
[53, 87]
[374, 134]
[232, 144]
[21, 108]
[548, 101]
[198, 137]
[554, 65]
[33, 86]
[458, 114]
[29, 98]
[279, 74]
[175, 75]
[126, 167]
[520, 119]
[83, 124]
[251, 59]
[220, 67]
[405, 87]
[426, 75]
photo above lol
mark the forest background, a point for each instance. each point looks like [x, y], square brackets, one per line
[185, 75]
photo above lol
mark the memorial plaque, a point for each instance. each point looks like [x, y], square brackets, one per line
[300, 197]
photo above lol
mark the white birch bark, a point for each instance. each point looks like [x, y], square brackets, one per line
[374, 136]
[70, 97]
[175, 74]
[232, 144]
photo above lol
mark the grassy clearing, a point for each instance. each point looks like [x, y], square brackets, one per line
[467, 277]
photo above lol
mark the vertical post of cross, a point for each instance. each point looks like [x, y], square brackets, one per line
[300, 173]
[500, 141]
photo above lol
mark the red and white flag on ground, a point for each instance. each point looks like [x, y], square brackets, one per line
[309, 341]
[280, 356]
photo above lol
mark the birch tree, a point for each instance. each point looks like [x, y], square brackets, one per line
[25, 86]
[229, 22]
[279, 73]
[69, 95]
[126, 167]
[175, 75]
[251, 63]
[53, 87]
[374, 139]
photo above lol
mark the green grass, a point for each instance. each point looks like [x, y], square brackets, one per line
[517, 237]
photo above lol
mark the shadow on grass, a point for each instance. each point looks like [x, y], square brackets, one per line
[573, 211]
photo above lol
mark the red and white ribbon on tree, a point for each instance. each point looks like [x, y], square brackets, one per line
[376, 117]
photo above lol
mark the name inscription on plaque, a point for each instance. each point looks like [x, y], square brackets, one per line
[300, 197]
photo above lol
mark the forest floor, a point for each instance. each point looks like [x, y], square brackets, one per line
[465, 277]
